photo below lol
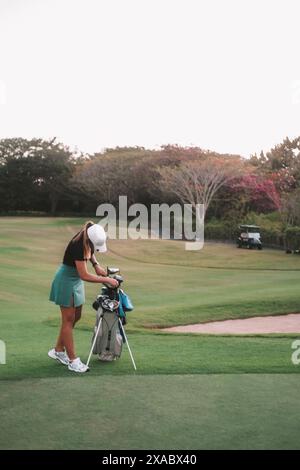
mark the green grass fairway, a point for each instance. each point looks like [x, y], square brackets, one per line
[153, 412]
[190, 391]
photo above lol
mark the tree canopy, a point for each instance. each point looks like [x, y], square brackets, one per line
[45, 175]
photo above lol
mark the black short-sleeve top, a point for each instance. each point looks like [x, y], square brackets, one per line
[74, 251]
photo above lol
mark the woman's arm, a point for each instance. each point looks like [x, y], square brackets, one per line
[100, 271]
[86, 276]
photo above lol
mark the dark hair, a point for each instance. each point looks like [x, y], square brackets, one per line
[83, 234]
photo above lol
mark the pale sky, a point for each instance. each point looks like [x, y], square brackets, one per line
[220, 74]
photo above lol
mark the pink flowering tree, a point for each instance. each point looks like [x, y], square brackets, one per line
[254, 192]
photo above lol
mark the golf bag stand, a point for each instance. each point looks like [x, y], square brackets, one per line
[95, 339]
[126, 341]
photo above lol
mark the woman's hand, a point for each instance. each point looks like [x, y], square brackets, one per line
[100, 271]
[86, 276]
[111, 281]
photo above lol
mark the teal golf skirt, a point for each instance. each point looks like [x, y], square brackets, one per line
[67, 288]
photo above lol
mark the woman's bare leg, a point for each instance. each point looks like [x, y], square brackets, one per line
[60, 347]
[59, 343]
[65, 338]
[77, 314]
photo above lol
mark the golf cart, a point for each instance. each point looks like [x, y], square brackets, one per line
[249, 237]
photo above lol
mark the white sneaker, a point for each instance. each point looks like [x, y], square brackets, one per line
[77, 366]
[60, 356]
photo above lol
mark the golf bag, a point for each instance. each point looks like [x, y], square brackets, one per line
[109, 334]
[109, 341]
[111, 307]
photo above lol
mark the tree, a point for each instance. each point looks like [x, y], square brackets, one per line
[290, 208]
[285, 155]
[34, 174]
[197, 181]
[257, 192]
[17, 189]
[105, 176]
[53, 172]
[284, 159]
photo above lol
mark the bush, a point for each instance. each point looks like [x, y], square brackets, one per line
[227, 230]
[220, 230]
[17, 213]
[292, 238]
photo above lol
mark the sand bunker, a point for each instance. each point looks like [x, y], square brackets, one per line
[255, 325]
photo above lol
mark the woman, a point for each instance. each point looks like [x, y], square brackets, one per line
[67, 289]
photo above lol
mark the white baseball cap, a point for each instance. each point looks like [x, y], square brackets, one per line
[97, 236]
